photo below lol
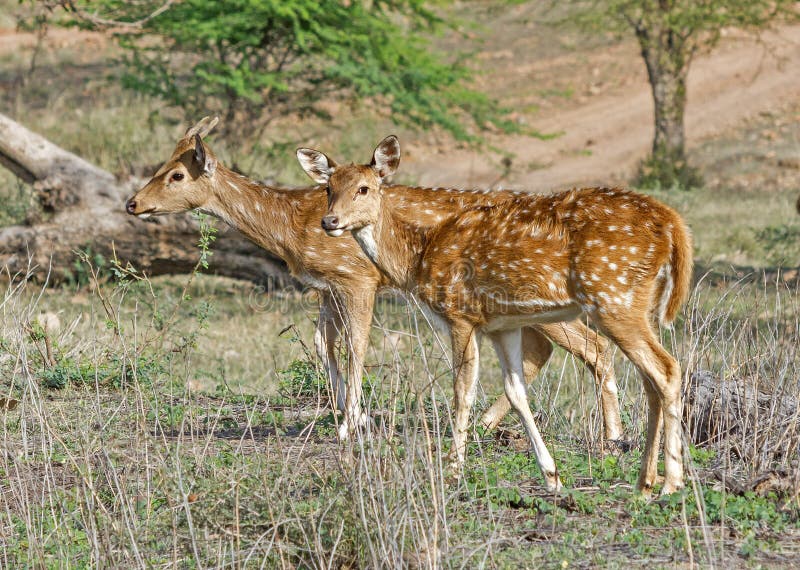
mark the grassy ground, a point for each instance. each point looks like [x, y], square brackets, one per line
[130, 440]
[159, 425]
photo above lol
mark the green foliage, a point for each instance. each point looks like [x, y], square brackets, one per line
[781, 243]
[81, 273]
[491, 481]
[254, 60]
[169, 414]
[698, 24]
[208, 235]
[660, 171]
[114, 372]
[301, 379]
[16, 201]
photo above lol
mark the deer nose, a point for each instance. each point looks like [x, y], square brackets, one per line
[130, 206]
[330, 223]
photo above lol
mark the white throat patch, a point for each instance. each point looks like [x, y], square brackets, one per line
[366, 239]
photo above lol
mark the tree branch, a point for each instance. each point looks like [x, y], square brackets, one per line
[105, 23]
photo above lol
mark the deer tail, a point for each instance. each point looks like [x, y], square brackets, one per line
[676, 274]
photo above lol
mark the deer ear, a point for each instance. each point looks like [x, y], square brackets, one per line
[205, 161]
[203, 127]
[386, 157]
[318, 166]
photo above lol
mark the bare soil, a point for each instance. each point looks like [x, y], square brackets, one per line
[605, 114]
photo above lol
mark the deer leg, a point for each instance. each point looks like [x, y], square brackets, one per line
[655, 420]
[508, 345]
[536, 350]
[578, 339]
[328, 327]
[662, 381]
[465, 367]
[357, 317]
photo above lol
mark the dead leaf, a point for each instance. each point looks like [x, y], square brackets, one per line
[8, 404]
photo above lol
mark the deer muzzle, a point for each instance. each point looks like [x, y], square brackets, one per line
[330, 224]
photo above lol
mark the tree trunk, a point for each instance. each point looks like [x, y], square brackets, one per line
[668, 85]
[84, 208]
[666, 57]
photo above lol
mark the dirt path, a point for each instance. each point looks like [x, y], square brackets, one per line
[604, 139]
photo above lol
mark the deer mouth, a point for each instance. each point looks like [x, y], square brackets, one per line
[335, 233]
[146, 214]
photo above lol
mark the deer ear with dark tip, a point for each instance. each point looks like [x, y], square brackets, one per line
[318, 166]
[386, 157]
[201, 157]
[199, 151]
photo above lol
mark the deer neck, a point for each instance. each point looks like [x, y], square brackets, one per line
[261, 213]
[394, 246]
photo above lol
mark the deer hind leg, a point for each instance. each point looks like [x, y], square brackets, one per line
[536, 350]
[662, 382]
[508, 345]
[465, 367]
[655, 421]
[581, 341]
[328, 326]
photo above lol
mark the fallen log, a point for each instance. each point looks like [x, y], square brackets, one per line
[742, 417]
[84, 210]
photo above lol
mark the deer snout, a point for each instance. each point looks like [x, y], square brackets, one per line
[330, 222]
[130, 207]
[134, 208]
[331, 226]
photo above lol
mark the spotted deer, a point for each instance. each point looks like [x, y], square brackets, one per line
[621, 258]
[286, 223]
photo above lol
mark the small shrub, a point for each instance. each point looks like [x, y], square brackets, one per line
[301, 379]
[656, 173]
[112, 373]
[16, 202]
[782, 244]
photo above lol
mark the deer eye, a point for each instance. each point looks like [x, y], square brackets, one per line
[176, 176]
[363, 190]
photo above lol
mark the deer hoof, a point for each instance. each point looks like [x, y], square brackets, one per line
[670, 487]
[552, 482]
[347, 427]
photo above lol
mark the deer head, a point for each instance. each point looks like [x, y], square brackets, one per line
[184, 182]
[354, 191]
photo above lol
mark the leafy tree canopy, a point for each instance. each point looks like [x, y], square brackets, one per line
[254, 60]
[695, 23]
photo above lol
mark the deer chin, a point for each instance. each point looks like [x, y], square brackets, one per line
[144, 216]
[335, 233]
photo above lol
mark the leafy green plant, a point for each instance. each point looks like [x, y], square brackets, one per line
[782, 243]
[169, 414]
[208, 235]
[16, 201]
[115, 372]
[301, 379]
[83, 267]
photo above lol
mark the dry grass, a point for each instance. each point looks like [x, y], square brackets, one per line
[130, 464]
